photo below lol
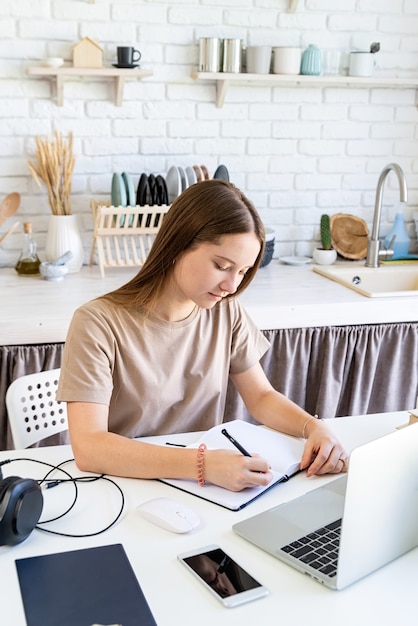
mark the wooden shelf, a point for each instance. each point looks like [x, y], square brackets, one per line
[61, 73]
[224, 81]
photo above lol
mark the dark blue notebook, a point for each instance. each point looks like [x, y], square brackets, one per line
[81, 588]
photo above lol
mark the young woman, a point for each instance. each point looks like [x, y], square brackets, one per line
[154, 356]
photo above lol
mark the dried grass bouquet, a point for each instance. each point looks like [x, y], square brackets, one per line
[54, 167]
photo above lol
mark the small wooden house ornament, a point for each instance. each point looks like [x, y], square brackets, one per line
[87, 53]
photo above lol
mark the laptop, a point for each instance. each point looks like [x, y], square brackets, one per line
[369, 516]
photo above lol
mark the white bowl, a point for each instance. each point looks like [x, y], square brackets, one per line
[269, 249]
[52, 272]
[54, 62]
[270, 233]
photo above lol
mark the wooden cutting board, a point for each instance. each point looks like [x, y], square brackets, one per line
[350, 235]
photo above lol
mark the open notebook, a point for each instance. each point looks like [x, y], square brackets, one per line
[281, 451]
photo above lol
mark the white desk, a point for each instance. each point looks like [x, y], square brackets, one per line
[386, 597]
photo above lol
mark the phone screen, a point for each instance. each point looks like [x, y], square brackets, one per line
[223, 575]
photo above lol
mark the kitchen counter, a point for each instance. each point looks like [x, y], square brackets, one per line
[35, 311]
[332, 350]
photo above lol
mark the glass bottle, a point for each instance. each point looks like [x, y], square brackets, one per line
[28, 261]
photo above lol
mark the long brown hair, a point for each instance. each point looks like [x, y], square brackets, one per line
[203, 213]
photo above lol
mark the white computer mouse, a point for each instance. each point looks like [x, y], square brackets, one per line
[169, 514]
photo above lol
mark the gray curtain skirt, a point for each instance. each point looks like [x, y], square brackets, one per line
[330, 371]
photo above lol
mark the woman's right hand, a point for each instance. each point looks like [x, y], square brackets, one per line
[97, 450]
[235, 471]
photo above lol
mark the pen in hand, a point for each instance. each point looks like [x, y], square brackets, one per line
[235, 442]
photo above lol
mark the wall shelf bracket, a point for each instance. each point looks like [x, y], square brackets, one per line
[222, 87]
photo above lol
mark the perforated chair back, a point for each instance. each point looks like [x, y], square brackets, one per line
[33, 411]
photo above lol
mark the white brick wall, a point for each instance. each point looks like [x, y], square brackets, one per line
[296, 152]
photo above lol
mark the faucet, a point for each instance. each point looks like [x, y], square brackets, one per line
[373, 247]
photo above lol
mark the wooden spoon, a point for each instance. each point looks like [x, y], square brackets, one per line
[9, 232]
[9, 206]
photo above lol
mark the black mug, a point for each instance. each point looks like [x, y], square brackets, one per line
[127, 55]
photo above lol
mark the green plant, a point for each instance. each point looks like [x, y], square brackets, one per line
[326, 238]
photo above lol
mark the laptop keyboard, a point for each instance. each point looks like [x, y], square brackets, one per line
[319, 549]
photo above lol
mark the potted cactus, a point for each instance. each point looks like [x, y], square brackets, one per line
[326, 255]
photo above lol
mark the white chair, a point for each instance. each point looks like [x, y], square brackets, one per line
[33, 411]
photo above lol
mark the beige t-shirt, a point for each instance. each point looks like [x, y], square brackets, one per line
[157, 377]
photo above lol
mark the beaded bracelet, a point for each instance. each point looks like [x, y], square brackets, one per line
[201, 464]
[314, 417]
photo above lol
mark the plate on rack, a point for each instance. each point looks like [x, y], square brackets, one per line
[221, 173]
[183, 178]
[118, 195]
[162, 189]
[143, 191]
[173, 182]
[295, 260]
[129, 186]
[199, 174]
[205, 172]
[152, 184]
[191, 175]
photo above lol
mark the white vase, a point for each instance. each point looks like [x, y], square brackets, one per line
[324, 257]
[63, 235]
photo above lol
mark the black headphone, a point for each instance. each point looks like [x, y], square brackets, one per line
[21, 503]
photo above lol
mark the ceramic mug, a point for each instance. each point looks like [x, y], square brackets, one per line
[258, 59]
[286, 60]
[361, 64]
[127, 56]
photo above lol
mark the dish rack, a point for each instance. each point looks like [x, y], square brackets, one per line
[123, 236]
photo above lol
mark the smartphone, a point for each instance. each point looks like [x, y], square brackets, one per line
[225, 579]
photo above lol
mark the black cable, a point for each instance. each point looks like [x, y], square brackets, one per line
[53, 482]
[98, 532]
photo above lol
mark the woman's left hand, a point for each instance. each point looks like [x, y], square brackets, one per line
[323, 453]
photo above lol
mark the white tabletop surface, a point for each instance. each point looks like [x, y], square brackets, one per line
[281, 296]
[385, 597]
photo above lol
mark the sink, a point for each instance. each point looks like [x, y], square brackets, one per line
[375, 282]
